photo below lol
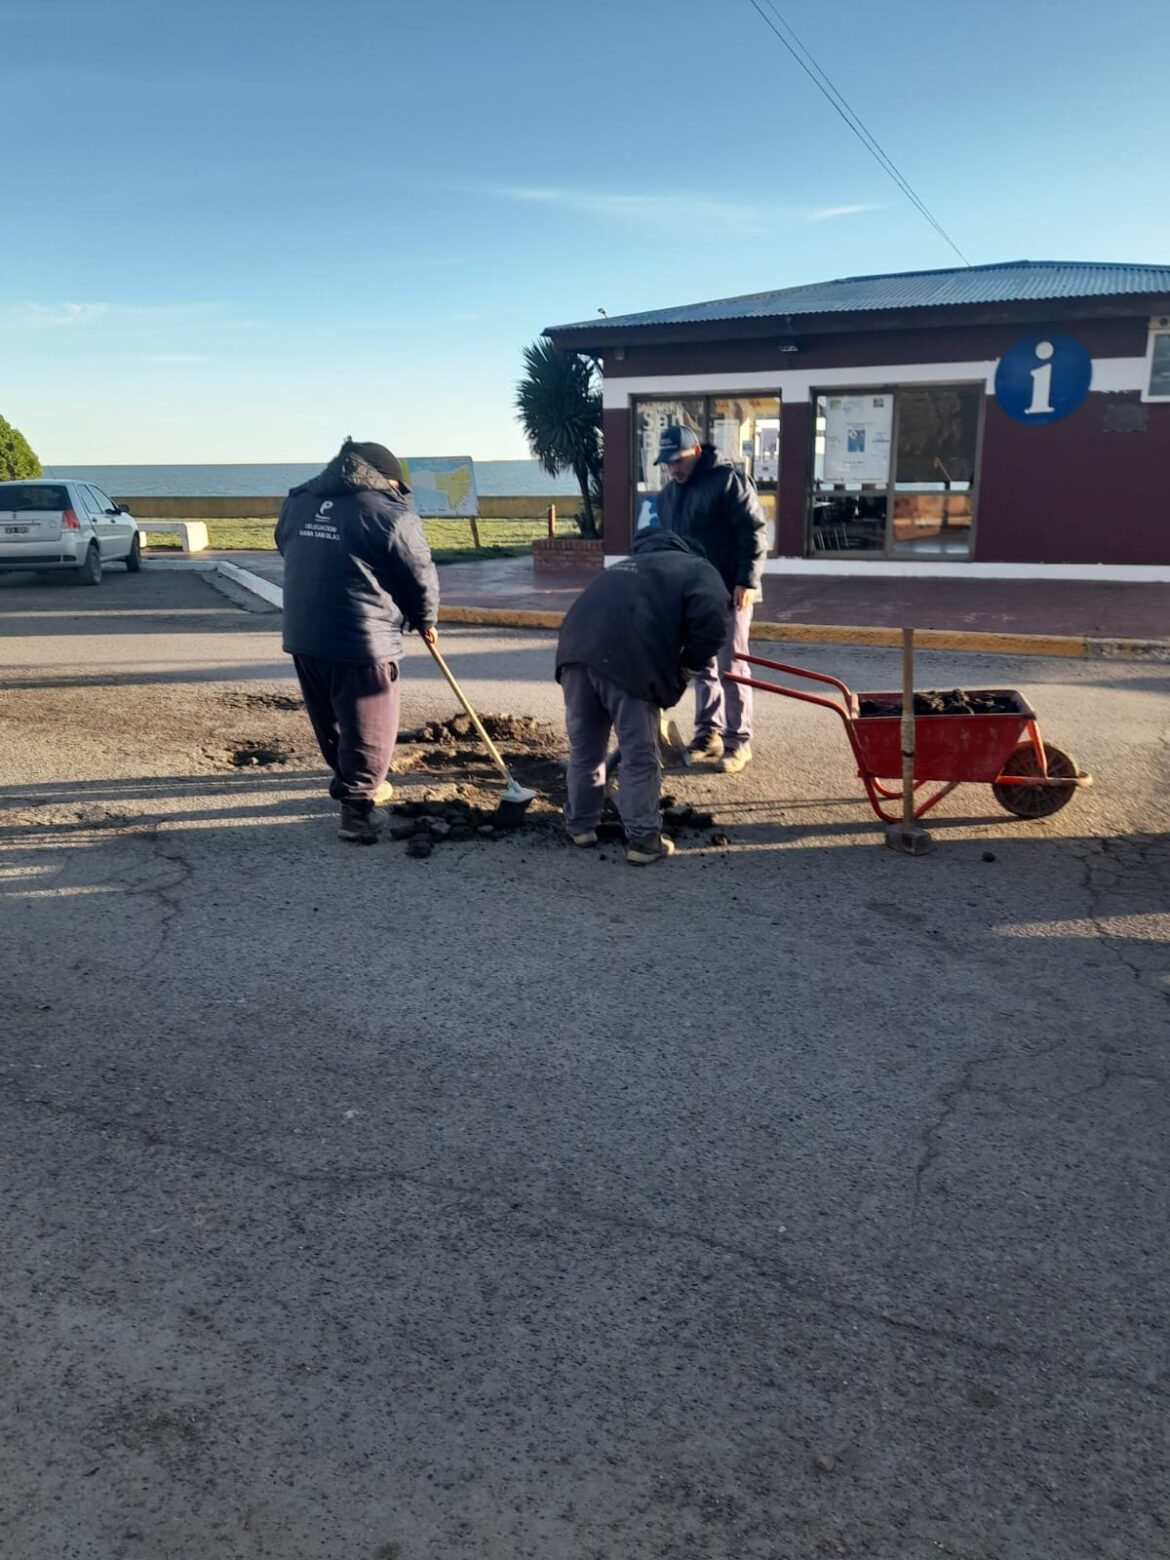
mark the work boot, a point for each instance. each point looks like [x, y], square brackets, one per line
[706, 747]
[645, 854]
[360, 824]
[731, 763]
[383, 794]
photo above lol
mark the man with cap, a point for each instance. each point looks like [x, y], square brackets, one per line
[357, 572]
[626, 649]
[711, 501]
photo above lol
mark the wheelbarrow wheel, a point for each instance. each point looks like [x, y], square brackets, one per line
[1044, 798]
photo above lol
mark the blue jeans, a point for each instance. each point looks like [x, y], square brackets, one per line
[593, 707]
[722, 706]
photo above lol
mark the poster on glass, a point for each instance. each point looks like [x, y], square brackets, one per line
[857, 438]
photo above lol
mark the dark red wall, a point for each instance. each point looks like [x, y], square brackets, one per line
[848, 349]
[618, 525]
[792, 503]
[1070, 492]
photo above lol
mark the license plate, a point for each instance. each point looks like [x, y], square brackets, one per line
[17, 530]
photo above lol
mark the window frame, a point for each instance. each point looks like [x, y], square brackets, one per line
[888, 553]
[1159, 326]
[707, 397]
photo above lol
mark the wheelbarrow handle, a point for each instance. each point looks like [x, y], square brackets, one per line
[798, 671]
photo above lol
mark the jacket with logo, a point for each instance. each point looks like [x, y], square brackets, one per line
[357, 568]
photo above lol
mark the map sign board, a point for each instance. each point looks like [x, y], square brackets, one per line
[442, 486]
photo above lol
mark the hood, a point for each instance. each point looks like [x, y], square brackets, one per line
[349, 473]
[657, 540]
[709, 459]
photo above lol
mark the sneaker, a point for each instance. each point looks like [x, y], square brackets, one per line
[584, 840]
[359, 825]
[383, 794]
[731, 763]
[646, 855]
[710, 746]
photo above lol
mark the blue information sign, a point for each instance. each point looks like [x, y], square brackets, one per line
[1043, 378]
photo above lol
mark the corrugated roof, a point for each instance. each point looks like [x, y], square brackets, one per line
[1012, 281]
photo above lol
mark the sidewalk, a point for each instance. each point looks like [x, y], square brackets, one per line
[1054, 617]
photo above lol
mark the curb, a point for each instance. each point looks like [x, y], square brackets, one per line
[267, 590]
[1060, 646]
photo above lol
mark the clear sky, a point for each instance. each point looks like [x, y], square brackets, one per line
[237, 230]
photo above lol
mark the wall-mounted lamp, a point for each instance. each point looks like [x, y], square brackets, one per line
[620, 354]
[788, 346]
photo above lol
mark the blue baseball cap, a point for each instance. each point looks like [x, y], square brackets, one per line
[675, 441]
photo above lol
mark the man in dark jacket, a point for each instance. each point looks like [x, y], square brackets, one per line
[708, 499]
[627, 648]
[357, 571]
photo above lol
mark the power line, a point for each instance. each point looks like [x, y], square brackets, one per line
[841, 107]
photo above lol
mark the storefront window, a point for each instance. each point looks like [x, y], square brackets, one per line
[651, 418]
[894, 471]
[745, 429]
[938, 433]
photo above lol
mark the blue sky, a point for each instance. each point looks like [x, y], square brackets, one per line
[239, 231]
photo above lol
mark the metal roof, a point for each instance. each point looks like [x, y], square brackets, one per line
[1012, 281]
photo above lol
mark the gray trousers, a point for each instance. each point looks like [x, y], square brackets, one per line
[722, 706]
[593, 707]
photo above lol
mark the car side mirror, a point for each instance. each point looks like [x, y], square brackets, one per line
[120, 509]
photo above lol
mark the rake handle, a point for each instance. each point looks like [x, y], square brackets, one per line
[475, 720]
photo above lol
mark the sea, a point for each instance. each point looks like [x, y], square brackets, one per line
[492, 478]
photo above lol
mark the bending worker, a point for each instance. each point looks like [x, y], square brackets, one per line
[627, 648]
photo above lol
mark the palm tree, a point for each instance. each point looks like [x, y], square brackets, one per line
[558, 404]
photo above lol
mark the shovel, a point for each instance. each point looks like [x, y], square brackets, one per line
[514, 798]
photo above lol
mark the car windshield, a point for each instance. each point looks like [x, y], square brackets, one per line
[20, 495]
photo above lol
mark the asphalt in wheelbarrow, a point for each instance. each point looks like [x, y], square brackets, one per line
[955, 701]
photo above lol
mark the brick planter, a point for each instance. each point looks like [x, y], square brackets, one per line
[559, 554]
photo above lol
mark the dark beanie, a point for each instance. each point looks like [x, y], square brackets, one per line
[378, 456]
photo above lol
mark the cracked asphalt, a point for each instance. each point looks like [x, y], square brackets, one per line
[792, 1201]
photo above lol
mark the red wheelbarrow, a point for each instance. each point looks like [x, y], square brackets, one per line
[994, 740]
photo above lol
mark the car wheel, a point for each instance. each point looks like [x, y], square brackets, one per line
[134, 556]
[90, 572]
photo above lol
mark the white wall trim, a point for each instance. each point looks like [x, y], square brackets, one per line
[1113, 374]
[794, 384]
[897, 568]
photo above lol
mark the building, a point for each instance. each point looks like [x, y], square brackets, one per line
[1000, 420]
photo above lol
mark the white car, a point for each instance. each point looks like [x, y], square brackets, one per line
[48, 523]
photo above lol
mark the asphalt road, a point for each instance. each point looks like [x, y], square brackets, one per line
[788, 1201]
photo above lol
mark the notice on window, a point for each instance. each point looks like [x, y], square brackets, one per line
[857, 438]
[768, 459]
[726, 438]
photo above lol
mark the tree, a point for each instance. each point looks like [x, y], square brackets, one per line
[558, 404]
[17, 460]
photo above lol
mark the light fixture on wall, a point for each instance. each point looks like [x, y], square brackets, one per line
[788, 346]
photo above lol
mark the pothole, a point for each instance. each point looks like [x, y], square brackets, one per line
[263, 701]
[256, 755]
